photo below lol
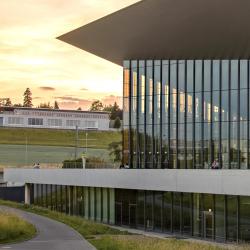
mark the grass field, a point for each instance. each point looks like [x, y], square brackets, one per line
[24, 147]
[53, 137]
[14, 229]
[20, 155]
[104, 237]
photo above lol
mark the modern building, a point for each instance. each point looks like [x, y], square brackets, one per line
[53, 119]
[186, 123]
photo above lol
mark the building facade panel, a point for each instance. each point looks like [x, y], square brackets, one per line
[53, 119]
[194, 113]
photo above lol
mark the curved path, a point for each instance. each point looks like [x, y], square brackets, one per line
[51, 235]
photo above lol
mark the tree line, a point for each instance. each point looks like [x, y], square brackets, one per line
[27, 102]
[115, 112]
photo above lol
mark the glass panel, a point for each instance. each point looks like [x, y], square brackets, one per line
[207, 145]
[232, 218]
[207, 75]
[157, 113]
[105, 205]
[198, 76]
[181, 91]
[126, 78]
[190, 76]
[189, 145]
[141, 145]
[198, 146]
[149, 210]
[176, 212]
[149, 121]
[111, 206]
[243, 104]
[243, 74]
[220, 217]
[173, 155]
[167, 211]
[92, 203]
[243, 144]
[196, 215]
[126, 151]
[140, 208]
[233, 145]
[216, 75]
[208, 216]
[98, 204]
[187, 213]
[225, 105]
[244, 219]
[158, 211]
[215, 143]
[86, 202]
[225, 145]
[225, 75]
[181, 146]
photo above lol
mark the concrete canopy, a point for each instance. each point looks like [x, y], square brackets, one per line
[169, 29]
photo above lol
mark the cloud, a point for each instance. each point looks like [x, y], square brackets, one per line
[69, 98]
[111, 99]
[36, 98]
[84, 89]
[45, 88]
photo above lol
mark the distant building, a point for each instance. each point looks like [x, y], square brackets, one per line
[53, 119]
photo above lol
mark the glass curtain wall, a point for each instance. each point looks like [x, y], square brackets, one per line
[186, 114]
[213, 217]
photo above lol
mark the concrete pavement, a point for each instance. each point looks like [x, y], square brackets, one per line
[51, 235]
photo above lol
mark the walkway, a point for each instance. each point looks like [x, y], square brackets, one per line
[52, 235]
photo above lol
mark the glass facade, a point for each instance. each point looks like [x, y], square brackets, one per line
[207, 216]
[91, 203]
[186, 114]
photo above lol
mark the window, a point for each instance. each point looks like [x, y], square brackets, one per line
[91, 124]
[35, 121]
[15, 121]
[72, 123]
[54, 122]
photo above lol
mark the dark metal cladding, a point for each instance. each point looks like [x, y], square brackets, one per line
[169, 29]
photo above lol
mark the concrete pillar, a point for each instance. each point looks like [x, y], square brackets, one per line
[27, 193]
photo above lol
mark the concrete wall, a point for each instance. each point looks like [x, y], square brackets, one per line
[229, 182]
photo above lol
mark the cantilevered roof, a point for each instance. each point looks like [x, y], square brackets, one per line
[169, 29]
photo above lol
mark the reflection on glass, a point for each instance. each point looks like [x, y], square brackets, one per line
[186, 113]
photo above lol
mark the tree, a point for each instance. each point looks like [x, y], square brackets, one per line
[5, 102]
[114, 111]
[8, 102]
[79, 109]
[27, 98]
[56, 105]
[115, 149]
[45, 106]
[96, 106]
[117, 123]
[18, 105]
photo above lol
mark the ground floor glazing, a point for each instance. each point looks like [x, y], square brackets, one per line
[206, 216]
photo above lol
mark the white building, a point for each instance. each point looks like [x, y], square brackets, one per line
[53, 119]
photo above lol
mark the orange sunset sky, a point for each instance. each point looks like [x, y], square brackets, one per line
[31, 56]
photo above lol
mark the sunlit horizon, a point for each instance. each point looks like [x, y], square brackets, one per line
[32, 57]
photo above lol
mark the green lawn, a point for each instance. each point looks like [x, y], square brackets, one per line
[104, 237]
[53, 137]
[14, 229]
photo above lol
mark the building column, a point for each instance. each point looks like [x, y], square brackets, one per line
[27, 193]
